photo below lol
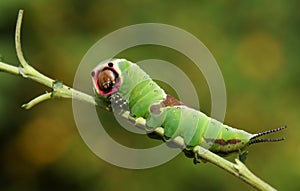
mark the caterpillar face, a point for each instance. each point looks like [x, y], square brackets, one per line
[106, 78]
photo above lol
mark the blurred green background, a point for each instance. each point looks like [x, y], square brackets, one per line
[256, 44]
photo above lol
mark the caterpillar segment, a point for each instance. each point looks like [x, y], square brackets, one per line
[127, 88]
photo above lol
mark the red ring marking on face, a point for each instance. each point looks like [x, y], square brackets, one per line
[106, 81]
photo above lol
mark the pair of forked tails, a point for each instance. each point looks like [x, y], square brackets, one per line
[255, 139]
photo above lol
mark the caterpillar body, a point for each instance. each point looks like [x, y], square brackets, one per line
[120, 79]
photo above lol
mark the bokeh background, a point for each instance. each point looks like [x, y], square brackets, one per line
[256, 44]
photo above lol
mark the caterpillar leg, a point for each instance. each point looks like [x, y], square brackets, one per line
[196, 158]
[190, 154]
[157, 134]
[177, 142]
[243, 156]
[121, 107]
[118, 103]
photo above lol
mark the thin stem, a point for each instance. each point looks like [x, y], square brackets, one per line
[37, 100]
[18, 39]
[9, 69]
[239, 169]
[26, 70]
[59, 90]
[250, 178]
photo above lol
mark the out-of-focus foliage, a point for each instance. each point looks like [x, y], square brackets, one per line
[256, 44]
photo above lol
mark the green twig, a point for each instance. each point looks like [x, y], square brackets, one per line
[37, 100]
[9, 68]
[59, 90]
[18, 40]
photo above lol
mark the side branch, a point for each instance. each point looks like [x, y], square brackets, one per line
[18, 40]
[59, 90]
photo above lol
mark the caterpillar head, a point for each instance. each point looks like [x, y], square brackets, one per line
[106, 78]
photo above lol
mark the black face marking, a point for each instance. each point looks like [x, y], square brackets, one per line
[110, 64]
[93, 73]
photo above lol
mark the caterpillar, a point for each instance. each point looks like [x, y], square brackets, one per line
[124, 84]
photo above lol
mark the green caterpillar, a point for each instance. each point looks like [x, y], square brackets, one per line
[123, 84]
